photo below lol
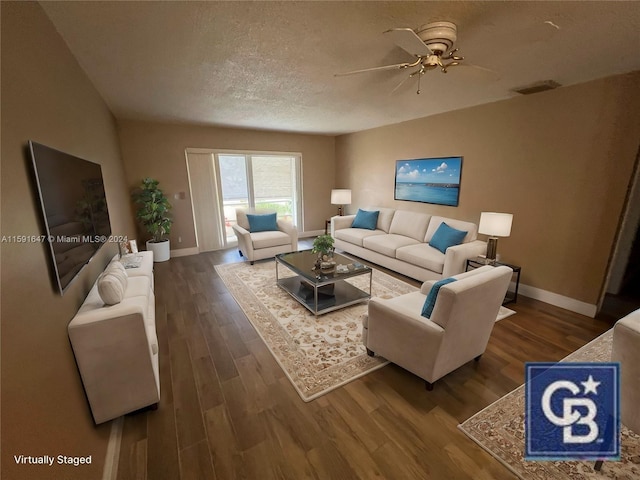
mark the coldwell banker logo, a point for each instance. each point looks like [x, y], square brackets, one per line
[572, 411]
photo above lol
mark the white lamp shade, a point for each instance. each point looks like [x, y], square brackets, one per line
[495, 224]
[340, 196]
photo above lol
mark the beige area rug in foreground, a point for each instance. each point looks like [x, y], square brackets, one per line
[499, 429]
[318, 354]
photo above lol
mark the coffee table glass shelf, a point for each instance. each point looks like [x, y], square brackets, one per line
[325, 290]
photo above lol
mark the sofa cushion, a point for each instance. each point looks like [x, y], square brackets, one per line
[407, 304]
[385, 217]
[356, 235]
[387, 244]
[144, 269]
[269, 239]
[422, 255]
[432, 296]
[470, 228]
[365, 219]
[446, 237]
[263, 222]
[410, 224]
[138, 287]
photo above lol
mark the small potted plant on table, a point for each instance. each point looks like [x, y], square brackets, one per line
[323, 246]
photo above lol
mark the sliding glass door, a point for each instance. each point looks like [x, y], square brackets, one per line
[259, 180]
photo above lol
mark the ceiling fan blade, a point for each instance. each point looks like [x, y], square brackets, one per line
[404, 81]
[487, 72]
[398, 66]
[407, 39]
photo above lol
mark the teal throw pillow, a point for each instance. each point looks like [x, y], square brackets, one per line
[430, 302]
[366, 219]
[262, 223]
[446, 237]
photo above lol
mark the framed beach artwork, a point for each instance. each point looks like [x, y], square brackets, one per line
[429, 180]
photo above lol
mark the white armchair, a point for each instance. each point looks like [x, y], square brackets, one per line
[265, 244]
[457, 332]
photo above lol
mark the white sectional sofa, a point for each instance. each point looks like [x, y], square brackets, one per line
[400, 242]
[114, 340]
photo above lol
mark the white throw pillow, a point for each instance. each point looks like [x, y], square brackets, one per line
[117, 269]
[110, 288]
[113, 283]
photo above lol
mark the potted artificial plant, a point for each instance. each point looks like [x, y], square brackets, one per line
[323, 246]
[153, 215]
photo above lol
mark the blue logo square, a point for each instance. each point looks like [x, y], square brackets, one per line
[572, 411]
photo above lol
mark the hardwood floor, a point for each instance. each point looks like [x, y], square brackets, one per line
[228, 411]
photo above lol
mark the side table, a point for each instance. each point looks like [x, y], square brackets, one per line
[511, 296]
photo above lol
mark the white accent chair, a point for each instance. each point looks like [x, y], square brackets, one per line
[260, 245]
[457, 332]
[626, 350]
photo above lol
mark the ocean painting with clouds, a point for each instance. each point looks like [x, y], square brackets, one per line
[429, 180]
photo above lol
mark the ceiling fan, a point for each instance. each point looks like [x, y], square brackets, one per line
[431, 44]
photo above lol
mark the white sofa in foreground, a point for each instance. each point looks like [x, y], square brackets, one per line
[114, 340]
[400, 242]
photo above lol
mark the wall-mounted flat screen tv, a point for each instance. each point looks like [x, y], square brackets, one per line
[74, 209]
[429, 180]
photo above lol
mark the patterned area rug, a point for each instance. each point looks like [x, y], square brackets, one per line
[499, 429]
[318, 354]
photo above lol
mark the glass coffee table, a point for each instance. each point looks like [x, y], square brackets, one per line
[324, 290]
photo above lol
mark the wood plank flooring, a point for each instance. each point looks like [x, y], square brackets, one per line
[228, 411]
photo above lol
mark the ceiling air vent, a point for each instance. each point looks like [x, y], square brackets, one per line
[537, 87]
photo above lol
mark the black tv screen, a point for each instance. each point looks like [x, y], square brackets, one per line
[74, 209]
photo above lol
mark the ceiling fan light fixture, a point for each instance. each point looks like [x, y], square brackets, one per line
[438, 36]
[432, 61]
[431, 45]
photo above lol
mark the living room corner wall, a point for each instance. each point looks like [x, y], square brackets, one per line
[560, 161]
[157, 150]
[47, 97]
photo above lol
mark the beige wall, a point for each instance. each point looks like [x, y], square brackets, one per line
[158, 150]
[560, 161]
[46, 97]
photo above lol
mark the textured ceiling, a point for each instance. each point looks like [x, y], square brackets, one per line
[271, 65]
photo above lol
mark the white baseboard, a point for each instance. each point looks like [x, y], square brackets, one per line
[561, 301]
[112, 457]
[184, 252]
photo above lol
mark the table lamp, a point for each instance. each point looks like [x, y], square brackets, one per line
[340, 197]
[495, 225]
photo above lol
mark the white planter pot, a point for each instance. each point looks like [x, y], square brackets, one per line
[161, 250]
